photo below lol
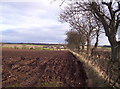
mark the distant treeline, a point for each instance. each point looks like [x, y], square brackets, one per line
[34, 43]
[108, 46]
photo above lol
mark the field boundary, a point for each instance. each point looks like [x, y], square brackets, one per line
[32, 47]
[96, 68]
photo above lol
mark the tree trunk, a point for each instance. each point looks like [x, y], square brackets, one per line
[118, 51]
[78, 48]
[114, 48]
[96, 43]
[83, 47]
[88, 46]
[113, 53]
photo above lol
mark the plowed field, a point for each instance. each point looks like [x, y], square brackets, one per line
[35, 68]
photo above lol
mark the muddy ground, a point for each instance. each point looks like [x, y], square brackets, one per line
[35, 68]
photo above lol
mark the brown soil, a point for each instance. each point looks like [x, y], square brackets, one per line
[35, 68]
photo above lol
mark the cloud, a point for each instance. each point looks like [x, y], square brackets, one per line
[24, 0]
[31, 22]
[35, 35]
[27, 13]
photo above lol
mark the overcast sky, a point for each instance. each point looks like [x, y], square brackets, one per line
[28, 21]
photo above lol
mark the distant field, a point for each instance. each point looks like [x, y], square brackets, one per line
[26, 46]
[31, 46]
[104, 48]
[20, 45]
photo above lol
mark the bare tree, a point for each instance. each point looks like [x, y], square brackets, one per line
[110, 21]
[98, 32]
[74, 40]
[108, 13]
[82, 22]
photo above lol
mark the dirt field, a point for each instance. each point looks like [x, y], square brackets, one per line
[34, 68]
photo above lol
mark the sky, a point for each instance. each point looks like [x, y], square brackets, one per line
[33, 21]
